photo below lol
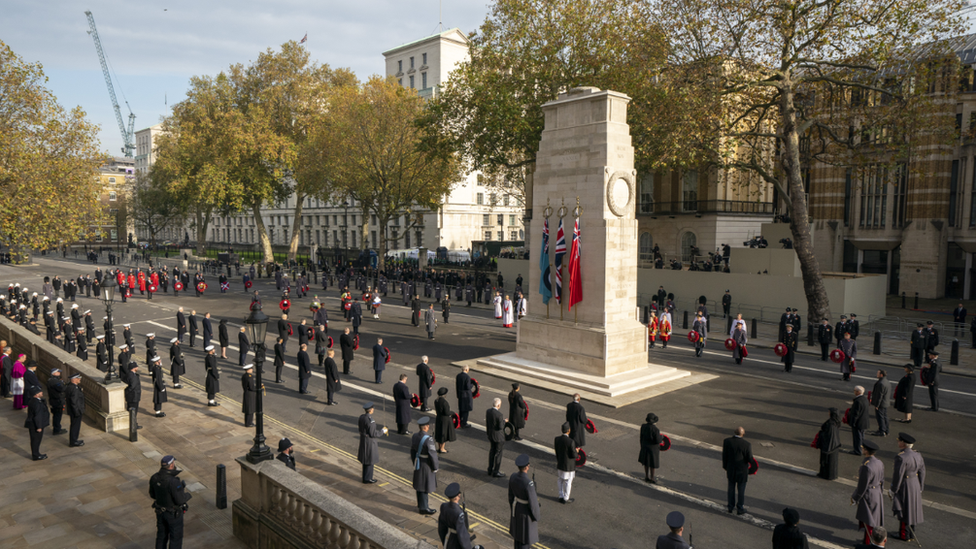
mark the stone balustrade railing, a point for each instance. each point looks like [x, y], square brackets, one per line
[279, 508]
[104, 403]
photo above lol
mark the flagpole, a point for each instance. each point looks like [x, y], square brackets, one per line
[562, 213]
[577, 213]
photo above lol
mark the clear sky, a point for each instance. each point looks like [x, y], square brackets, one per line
[155, 46]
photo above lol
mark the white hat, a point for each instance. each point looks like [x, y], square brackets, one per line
[25, 306]
[45, 298]
[174, 340]
[123, 346]
[74, 305]
[87, 312]
[125, 325]
[156, 359]
[34, 294]
[208, 348]
[104, 318]
[151, 334]
[60, 300]
[100, 336]
[50, 312]
[17, 285]
[248, 366]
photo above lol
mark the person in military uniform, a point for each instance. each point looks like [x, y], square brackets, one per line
[159, 385]
[700, 327]
[918, 344]
[522, 498]
[426, 378]
[170, 503]
[726, 304]
[930, 373]
[75, 406]
[101, 354]
[123, 358]
[150, 347]
[650, 447]
[825, 335]
[286, 451]
[38, 418]
[133, 388]
[55, 392]
[907, 484]
[369, 449]
[516, 410]
[452, 524]
[790, 340]
[869, 494]
[250, 401]
[177, 364]
[423, 454]
[673, 540]
[212, 383]
[788, 534]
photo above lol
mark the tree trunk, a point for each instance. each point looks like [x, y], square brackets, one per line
[296, 226]
[381, 252]
[818, 303]
[365, 228]
[203, 222]
[265, 242]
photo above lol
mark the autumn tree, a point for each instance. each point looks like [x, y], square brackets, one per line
[153, 207]
[781, 70]
[382, 165]
[49, 161]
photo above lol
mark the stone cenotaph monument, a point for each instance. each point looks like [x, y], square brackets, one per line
[599, 347]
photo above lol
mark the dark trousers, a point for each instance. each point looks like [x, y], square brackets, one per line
[74, 430]
[243, 358]
[401, 428]
[303, 384]
[179, 335]
[5, 382]
[169, 530]
[789, 365]
[881, 414]
[278, 368]
[934, 397]
[423, 403]
[345, 366]
[495, 457]
[858, 438]
[824, 350]
[917, 357]
[379, 376]
[463, 416]
[133, 406]
[430, 335]
[330, 393]
[367, 473]
[35, 441]
[321, 359]
[828, 465]
[206, 342]
[56, 414]
[741, 501]
[248, 419]
[422, 502]
[176, 379]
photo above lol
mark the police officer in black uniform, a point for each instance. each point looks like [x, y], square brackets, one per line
[55, 392]
[286, 451]
[75, 400]
[170, 498]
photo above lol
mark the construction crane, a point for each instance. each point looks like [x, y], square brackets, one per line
[127, 135]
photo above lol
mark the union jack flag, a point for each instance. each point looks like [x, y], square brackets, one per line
[575, 275]
[558, 260]
[304, 39]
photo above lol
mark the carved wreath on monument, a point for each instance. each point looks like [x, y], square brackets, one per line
[620, 191]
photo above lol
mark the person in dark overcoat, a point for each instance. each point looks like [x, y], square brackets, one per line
[38, 417]
[849, 347]
[244, 345]
[907, 485]
[859, 420]
[905, 393]
[369, 449]
[452, 524]
[790, 340]
[304, 369]
[192, 322]
[495, 429]
[332, 383]
[423, 456]
[159, 385]
[223, 337]
[443, 423]
[426, 381]
[463, 388]
[788, 534]
[177, 364]
[828, 442]
[212, 383]
[346, 344]
[401, 398]
[55, 391]
[249, 403]
[930, 374]
[75, 407]
[321, 344]
[576, 417]
[207, 330]
[415, 310]
[869, 494]
[825, 336]
[379, 360]
[919, 341]
[650, 447]
[516, 410]
[736, 456]
[524, 502]
[133, 388]
[565, 450]
[279, 359]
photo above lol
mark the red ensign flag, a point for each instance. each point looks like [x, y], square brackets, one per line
[575, 277]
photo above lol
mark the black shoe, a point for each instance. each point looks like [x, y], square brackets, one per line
[138, 427]
[161, 414]
[499, 475]
[60, 431]
[406, 433]
[40, 457]
[178, 386]
[517, 438]
[249, 425]
[370, 481]
[854, 453]
[428, 512]
[561, 500]
[730, 510]
[303, 392]
[78, 443]
[740, 512]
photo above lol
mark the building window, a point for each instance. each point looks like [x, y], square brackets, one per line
[420, 240]
[423, 80]
[513, 235]
[353, 238]
[900, 196]
[411, 81]
[424, 55]
[501, 219]
[874, 197]
[400, 65]
[647, 193]
[406, 238]
[481, 180]
[487, 235]
[511, 219]
[689, 191]
[115, 234]
[645, 248]
[847, 198]
[111, 180]
[688, 241]
[112, 196]
[372, 236]
[373, 219]
[501, 235]
[411, 62]
[956, 193]
[507, 201]
[486, 218]
[481, 199]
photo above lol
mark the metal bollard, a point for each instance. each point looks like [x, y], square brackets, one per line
[954, 355]
[133, 426]
[877, 343]
[903, 300]
[221, 487]
[755, 328]
[684, 323]
[728, 328]
[916, 301]
[810, 335]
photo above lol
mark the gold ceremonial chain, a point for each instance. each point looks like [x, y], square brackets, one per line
[578, 211]
[548, 211]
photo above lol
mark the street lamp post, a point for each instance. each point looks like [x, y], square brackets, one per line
[257, 326]
[108, 296]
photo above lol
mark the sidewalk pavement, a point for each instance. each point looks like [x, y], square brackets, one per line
[97, 495]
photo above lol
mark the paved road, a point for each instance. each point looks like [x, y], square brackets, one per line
[780, 412]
